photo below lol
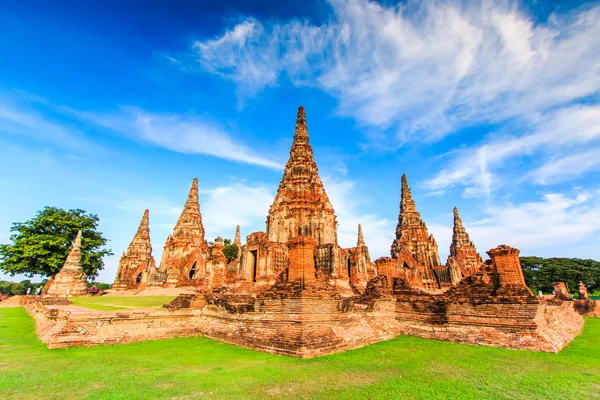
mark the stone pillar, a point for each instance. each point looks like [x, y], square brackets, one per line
[302, 259]
[509, 274]
[508, 266]
[561, 292]
[583, 293]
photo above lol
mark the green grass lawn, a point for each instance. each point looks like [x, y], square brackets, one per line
[402, 368]
[120, 303]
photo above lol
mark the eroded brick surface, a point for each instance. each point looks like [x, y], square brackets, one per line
[70, 280]
[137, 264]
[293, 290]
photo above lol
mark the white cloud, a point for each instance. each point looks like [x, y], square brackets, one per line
[181, 133]
[420, 68]
[556, 143]
[19, 118]
[378, 232]
[224, 207]
[561, 169]
[555, 220]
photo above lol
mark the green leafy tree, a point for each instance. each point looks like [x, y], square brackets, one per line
[40, 246]
[231, 251]
[540, 273]
[100, 285]
[5, 287]
[18, 289]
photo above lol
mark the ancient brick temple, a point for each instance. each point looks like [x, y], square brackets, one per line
[70, 280]
[293, 290]
[136, 265]
[464, 260]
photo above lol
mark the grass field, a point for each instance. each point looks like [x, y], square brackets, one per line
[120, 303]
[405, 367]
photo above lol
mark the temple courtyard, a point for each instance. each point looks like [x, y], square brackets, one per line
[197, 367]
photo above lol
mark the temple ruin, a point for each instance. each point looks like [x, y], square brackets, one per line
[70, 280]
[293, 290]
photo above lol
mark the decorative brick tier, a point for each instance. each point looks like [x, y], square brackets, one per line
[307, 322]
[293, 290]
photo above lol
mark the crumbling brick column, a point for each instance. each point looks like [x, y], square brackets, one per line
[509, 273]
[508, 266]
[302, 259]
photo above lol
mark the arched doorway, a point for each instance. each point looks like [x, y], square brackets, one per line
[138, 279]
[192, 274]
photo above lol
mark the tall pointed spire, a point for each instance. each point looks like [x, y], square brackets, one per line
[137, 259]
[361, 240]
[301, 206]
[237, 240]
[301, 133]
[70, 280]
[190, 221]
[77, 242]
[407, 204]
[74, 257]
[145, 224]
[463, 255]
[187, 245]
[457, 220]
[413, 238]
[141, 241]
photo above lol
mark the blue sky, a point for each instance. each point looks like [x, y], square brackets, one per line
[114, 107]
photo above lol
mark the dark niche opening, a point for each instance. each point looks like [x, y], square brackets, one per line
[192, 274]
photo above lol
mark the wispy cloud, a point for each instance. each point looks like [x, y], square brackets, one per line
[183, 133]
[561, 144]
[20, 118]
[226, 206]
[535, 226]
[349, 208]
[555, 220]
[420, 69]
[28, 115]
[563, 168]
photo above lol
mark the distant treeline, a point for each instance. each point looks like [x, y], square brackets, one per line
[541, 273]
[20, 288]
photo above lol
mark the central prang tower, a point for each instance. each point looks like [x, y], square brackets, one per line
[301, 206]
[300, 243]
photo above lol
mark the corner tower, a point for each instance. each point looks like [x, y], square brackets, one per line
[186, 250]
[463, 259]
[413, 238]
[137, 260]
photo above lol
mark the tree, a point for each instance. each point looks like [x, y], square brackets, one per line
[18, 289]
[100, 285]
[541, 273]
[231, 251]
[40, 245]
[5, 287]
